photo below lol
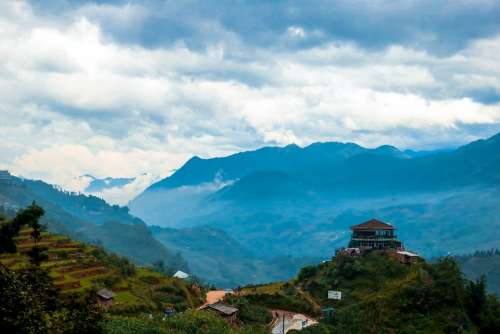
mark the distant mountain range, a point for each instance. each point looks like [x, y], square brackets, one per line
[293, 201]
[213, 255]
[337, 168]
[97, 185]
[259, 216]
[89, 219]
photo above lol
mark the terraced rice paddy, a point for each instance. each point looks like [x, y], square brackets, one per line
[75, 268]
[70, 263]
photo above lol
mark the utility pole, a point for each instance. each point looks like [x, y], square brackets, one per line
[283, 331]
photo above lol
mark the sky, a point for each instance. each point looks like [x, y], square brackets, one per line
[135, 88]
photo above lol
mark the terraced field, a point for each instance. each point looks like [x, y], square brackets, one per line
[71, 264]
[76, 267]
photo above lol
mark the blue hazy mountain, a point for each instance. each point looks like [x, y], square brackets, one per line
[97, 185]
[293, 201]
[90, 219]
[207, 252]
[338, 167]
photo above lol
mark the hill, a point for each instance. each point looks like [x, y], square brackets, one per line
[57, 292]
[76, 267]
[294, 202]
[223, 261]
[381, 295]
[202, 250]
[88, 219]
[482, 263]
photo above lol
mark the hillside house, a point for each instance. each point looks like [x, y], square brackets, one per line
[228, 313]
[181, 274]
[374, 234]
[105, 297]
[406, 257]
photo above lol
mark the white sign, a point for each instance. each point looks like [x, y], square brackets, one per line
[335, 295]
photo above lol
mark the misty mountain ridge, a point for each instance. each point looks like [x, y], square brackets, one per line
[97, 185]
[335, 167]
[213, 255]
[293, 201]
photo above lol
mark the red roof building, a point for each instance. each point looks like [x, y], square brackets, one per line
[372, 224]
[374, 234]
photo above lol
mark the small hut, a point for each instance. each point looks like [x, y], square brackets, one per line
[406, 257]
[227, 312]
[181, 274]
[105, 297]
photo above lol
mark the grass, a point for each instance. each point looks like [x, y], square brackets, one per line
[270, 288]
[127, 298]
[145, 289]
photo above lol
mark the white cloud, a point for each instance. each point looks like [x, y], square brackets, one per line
[296, 32]
[77, 102]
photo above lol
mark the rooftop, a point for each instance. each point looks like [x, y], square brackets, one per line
[222, 308]
[181, 274]
[373, 224]
[410, 254]
[106, 294]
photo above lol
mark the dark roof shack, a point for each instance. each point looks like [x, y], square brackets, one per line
[106, 294]
[221, 308]
[372, 224]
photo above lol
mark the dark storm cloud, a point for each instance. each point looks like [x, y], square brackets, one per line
[440, 27]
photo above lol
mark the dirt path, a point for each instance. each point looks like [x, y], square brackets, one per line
[308, 297]
[284, 321]
[215, 296]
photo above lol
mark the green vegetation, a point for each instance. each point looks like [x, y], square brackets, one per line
[88, 219]
[190, 322]
[58, 295]
[480, 263]
[380, 295]
[221, 260]
[30, 303]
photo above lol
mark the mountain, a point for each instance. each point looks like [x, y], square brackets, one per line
[98, 185]
[337, 167]
[296, 202]
[223, 261]
[89, 219]
[482, 263]
[207, 252]
[381, 295]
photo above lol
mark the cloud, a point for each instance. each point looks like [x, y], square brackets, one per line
[85, 92]
[438, 26]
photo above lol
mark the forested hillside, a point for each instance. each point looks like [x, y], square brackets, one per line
[51, 284]
[482, 263]
[295, 202]
[89, 219]
[381, 295]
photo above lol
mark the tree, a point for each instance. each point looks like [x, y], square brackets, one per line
[10, 229]
[476, 299]
[37, 254]
[30, 303]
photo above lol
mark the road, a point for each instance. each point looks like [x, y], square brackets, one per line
[292, 321]
[278, 328]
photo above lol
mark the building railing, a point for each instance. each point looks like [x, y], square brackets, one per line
[374, 237]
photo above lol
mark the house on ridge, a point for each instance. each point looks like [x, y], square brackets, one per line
[374, 234]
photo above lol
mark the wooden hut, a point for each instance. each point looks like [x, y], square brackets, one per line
[105, 297]
[228, 313]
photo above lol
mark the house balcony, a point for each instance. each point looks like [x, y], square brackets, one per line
[375, 237]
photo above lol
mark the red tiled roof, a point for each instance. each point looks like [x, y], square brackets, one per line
[373, 224]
